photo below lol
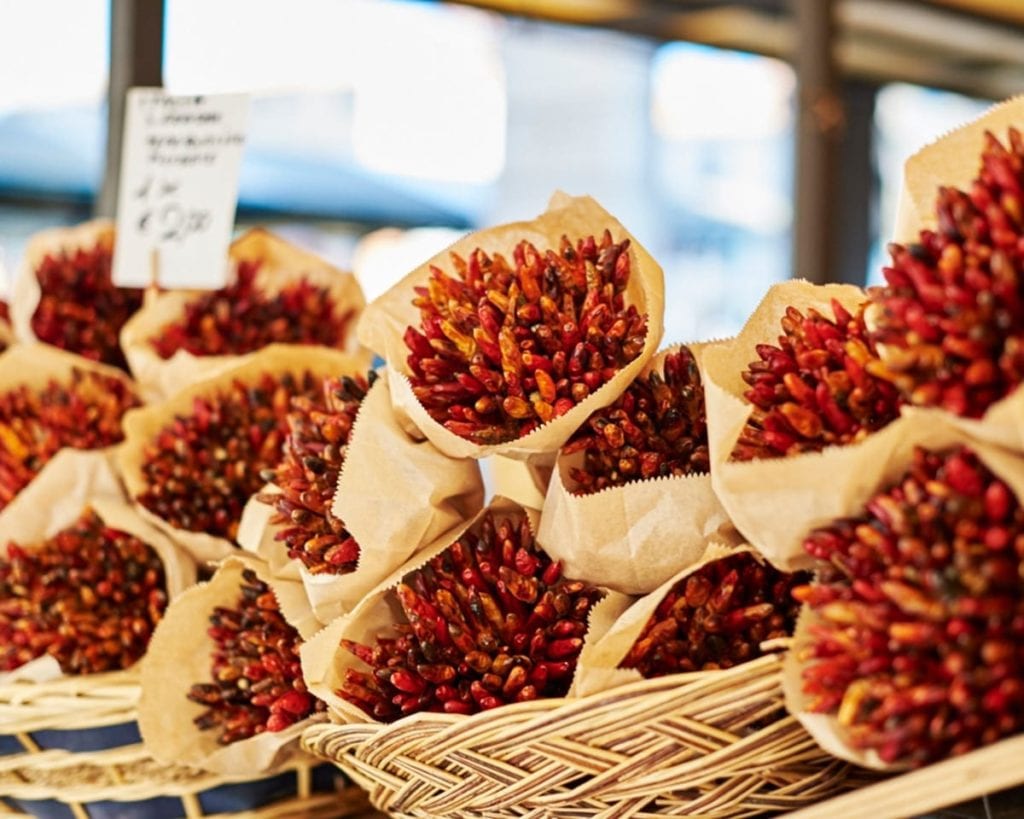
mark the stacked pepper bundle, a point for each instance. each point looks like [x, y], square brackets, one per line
[503, 348]
[80, 309]
[952, 314]
[817, 388]
[920, 650]
[657, 428]
[84, 413]
[490, 621]
[243, 317]
[256, 675]
[90, 596]
[307, 477]
[202, 468]
[717, 617]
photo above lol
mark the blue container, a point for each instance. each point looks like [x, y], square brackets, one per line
[241, 796]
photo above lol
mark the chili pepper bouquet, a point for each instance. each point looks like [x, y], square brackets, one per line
[84, 580]
[277, 293]
[354, 495]
[192, 462]
[507, 341]
[630, 500]
[481, 618]
[222, 687]
[64, 296]
[729, 607]
[908, 650]
[51, 401]
[796, 415]
[949, 320]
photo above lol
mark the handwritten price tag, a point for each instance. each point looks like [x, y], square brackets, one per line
[179, 188]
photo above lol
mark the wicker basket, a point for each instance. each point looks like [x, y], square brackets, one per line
[70, 747]
[714, 744]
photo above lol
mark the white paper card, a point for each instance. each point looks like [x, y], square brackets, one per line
[178, 188]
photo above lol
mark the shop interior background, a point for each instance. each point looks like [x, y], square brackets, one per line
[381, 130]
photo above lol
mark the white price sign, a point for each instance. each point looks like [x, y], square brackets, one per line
[179, 188]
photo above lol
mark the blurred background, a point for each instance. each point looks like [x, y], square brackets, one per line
[742, 142]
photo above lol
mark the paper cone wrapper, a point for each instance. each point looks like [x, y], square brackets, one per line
[35, 365]
[825, 728]
[180, 655]
[525, 482]
[281, 264]
[598, 669]
[774, 502]
[385, 320]
[257, 535]
[631, 537]
[324, 661]
[70, 483]
[141, 426]
[954, 160]
[25, 293]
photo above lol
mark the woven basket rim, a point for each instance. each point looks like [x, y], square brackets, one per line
[718, 743]
[544, 706]
[70, 702]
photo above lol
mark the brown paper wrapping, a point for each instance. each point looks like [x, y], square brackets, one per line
[70, 482]
[954, 160]
[142, 425]
[256, 535]
[385, 320]
[25, 293]
[395, 493]
[282, 264]
[632, 537]
[598, 668]
[35, 364]
[774, 502]
[933, 434]
[180, 655]
[324, 662]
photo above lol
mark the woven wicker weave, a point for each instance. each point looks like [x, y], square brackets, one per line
[125, 773]
[713, 744]
[68, 703]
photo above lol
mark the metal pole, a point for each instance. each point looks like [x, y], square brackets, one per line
[136, 59]
[820, 122]
[857, 184]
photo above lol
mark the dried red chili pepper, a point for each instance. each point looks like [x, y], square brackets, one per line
[815, 389]
[490, 621]
[920, 650]
[717, 617]
[951, 315]
[307, 477]
[503, 348]
[655, 429]
[256, 680]
[80, 309]
[244, 317]
[84, 413]
[201, 468]
[90, 597]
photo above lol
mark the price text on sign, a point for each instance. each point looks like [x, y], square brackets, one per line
[179, 187]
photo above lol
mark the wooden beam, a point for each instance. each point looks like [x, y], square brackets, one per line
[136, 59]
[820, 121]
